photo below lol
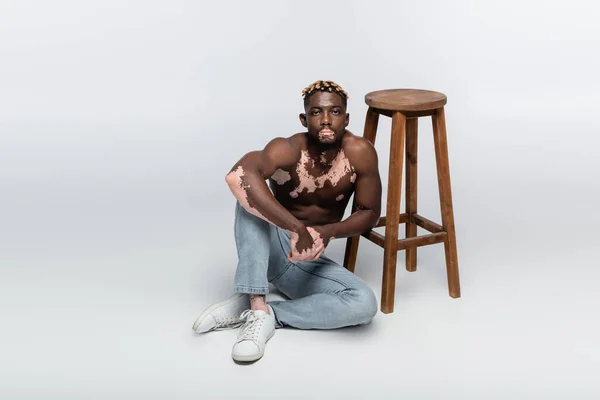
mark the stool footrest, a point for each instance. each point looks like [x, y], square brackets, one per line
[375, 237]
[438, 234]
[403, 244]
[419, 241]
[427, 224]
[417, 219]
[382, 220]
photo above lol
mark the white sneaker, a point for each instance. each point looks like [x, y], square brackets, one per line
[258, 328]
[223, 315]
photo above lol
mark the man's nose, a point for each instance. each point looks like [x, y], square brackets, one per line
[326, 120]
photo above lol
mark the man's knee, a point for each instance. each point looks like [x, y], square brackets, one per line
[364, 305]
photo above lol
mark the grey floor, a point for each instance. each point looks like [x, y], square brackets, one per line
[99, 304]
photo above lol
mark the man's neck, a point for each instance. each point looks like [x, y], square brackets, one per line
[324, 155]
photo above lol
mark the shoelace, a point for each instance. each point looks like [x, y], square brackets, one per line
[226, 321]
[250, 329]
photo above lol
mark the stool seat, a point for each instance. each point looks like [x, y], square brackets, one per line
[405, 100]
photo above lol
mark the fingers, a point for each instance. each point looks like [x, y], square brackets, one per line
[313, 232]
[311, 254]
[317, 255]
[308, 255]
[304, 256]
[317, 251]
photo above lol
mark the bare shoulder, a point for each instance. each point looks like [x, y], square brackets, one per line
[283, 152]
[360, 152]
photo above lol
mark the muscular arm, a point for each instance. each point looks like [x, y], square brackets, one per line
[247, 183]
[367, 195]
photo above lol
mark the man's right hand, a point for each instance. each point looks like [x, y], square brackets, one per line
[306, 245]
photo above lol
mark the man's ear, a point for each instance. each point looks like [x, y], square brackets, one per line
[303, 119]
[347, 120]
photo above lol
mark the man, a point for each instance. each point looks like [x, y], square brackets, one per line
[281, 233]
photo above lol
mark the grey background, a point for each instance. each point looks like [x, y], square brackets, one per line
[119, 121]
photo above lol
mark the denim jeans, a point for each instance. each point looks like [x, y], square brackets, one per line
[322, 293]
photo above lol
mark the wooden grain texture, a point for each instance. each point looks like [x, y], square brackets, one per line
[407, 114]
[418, 241]
[393, 212]
[405, 99]
[375, 237]
[443, 173]
[371, 122]
[402, 218]
[351, 253]
[427, 224]
[411, 190]
[370, 133]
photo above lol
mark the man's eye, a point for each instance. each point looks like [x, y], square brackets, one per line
[315, 112]
[336, 112]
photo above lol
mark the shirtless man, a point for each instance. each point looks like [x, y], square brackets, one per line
[281, 233]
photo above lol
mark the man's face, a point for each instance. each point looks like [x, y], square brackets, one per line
[325, 118]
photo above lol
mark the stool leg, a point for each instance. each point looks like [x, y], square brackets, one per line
[443, 173]
[411, 189]
[390, 251]
[351, 252]
[371, 122]
[370, 132]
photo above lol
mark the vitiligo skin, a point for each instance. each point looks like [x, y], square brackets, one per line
[316, 248]
[239, 189]
[280, 176]
[309, 183]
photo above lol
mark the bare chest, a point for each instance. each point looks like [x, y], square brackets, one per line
[313, 181]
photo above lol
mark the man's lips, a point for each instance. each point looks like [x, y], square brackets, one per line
[326, 133]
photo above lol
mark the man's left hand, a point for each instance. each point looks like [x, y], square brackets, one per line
[324, 232]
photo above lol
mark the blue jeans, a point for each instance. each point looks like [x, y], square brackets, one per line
[322, 293]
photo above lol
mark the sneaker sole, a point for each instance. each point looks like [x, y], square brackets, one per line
[212, 308]
[254, 357]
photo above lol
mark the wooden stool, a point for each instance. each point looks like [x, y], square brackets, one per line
[405, 106]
